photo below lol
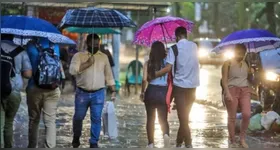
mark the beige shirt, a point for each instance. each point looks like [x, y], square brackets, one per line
[238, 75]
[94, 77]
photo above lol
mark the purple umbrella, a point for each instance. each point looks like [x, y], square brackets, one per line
[256, 40]
[160, 29]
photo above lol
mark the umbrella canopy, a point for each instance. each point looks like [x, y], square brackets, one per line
[256, 40]
[95, 17]
[160, 29]
[92, 30]
[27, 27]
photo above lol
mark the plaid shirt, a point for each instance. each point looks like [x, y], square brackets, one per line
[95, 17]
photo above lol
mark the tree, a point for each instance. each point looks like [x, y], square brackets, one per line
[7, 9]
[268, 10]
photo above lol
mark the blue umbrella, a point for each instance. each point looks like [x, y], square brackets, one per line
[95, 17]
[256, 40]
[27, 27]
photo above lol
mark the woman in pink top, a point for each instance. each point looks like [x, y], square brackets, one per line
[237, 93]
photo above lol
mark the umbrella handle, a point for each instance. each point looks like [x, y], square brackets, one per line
[163, 35]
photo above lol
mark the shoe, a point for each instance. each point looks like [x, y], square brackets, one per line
[76, 142]
[233, 145]
[151, 145]
[179, 146]
[166, 140]
[93, 145]
[243, 144]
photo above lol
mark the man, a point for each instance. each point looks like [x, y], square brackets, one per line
[41, 100]
[185, 81]
[92, 70]
[10, 105]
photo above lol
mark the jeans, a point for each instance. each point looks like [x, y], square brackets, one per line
[95, 102]
[42, 101]
[241, 97]
[8, 113]
[155, 100]
[184, 98]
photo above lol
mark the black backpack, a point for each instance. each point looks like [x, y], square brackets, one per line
[8, 70]
[175, 51]
[48, 74]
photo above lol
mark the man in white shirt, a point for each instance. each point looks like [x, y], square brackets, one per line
[185, 81]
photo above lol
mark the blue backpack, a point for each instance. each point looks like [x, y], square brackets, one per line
[48, 74]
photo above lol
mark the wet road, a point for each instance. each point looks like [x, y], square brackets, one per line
[208, 124]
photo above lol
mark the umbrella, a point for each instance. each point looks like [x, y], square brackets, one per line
[92, 30]
[95, 17]
[160, 29]
[25, 28]
[256, 40]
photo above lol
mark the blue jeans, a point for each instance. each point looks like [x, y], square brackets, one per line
[83, 101]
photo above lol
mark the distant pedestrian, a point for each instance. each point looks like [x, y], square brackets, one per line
[154, 96]
[237, 93]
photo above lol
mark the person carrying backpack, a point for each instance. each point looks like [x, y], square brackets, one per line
[43, 90]
[185, 67]
[15, 64]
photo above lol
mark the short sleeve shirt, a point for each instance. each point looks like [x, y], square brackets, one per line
[187, 72]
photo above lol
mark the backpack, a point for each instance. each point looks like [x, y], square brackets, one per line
[169, 95]
[48, 74]
[175, 51]
[8, 70]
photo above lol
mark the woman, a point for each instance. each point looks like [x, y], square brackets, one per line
[237, 93]
[154, 96]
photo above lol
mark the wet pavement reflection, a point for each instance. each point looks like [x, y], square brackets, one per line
[208, 124]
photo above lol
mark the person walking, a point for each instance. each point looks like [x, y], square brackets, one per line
[43, 99]
[154, 96]
[237, 93]
[11, 103]
[92, 70]
[183, 59]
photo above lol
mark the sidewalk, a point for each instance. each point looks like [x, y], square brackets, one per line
[208, 127]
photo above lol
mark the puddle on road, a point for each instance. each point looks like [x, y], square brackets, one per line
[208, 126]
[202, 90]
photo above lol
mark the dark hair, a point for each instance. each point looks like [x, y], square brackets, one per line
[180, 31]
[94, 36]
[240, 48]
[156, 58]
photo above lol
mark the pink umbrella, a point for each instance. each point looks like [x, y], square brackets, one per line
[160, 29]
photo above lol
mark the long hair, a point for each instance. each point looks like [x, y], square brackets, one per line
[156, 58]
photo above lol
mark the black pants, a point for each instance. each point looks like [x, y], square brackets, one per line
[155, 101]
[184, 98]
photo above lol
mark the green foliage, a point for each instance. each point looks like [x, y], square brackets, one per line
[11, 10]
[187, 10]
[226, 17]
